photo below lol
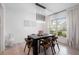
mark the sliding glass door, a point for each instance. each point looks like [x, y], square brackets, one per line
[58, 26]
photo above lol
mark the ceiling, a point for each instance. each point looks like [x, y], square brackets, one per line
[51, 7]
[56, 7]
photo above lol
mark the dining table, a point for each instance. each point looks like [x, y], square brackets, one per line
[36, 39]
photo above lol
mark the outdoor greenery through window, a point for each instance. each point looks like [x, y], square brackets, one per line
[58, 26]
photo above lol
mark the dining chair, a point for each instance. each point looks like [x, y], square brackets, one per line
[46, 43]
[55, 42]
[29, 44]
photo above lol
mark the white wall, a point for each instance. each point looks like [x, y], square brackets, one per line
[15, 16]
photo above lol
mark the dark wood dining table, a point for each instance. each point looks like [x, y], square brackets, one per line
[36, 39]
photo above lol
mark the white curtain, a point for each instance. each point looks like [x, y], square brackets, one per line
[73, 26]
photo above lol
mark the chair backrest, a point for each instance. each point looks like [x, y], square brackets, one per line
[25, 39]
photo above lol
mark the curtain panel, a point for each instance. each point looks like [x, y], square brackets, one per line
[73, 26]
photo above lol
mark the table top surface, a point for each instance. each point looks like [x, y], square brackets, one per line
[34, 36]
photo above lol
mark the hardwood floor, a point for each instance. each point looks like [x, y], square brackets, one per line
[18, 50]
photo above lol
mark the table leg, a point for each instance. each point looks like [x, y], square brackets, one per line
[35, 47]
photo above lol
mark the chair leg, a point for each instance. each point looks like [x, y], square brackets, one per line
[52, 50]
[39, 49]
[25, 47]
[57, 45]
[44, 50]
[29, 50]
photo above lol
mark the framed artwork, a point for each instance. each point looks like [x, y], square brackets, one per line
[29, 23]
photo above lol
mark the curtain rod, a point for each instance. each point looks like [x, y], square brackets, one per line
[57, 12]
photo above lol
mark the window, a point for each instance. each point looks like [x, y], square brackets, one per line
[58, 26]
